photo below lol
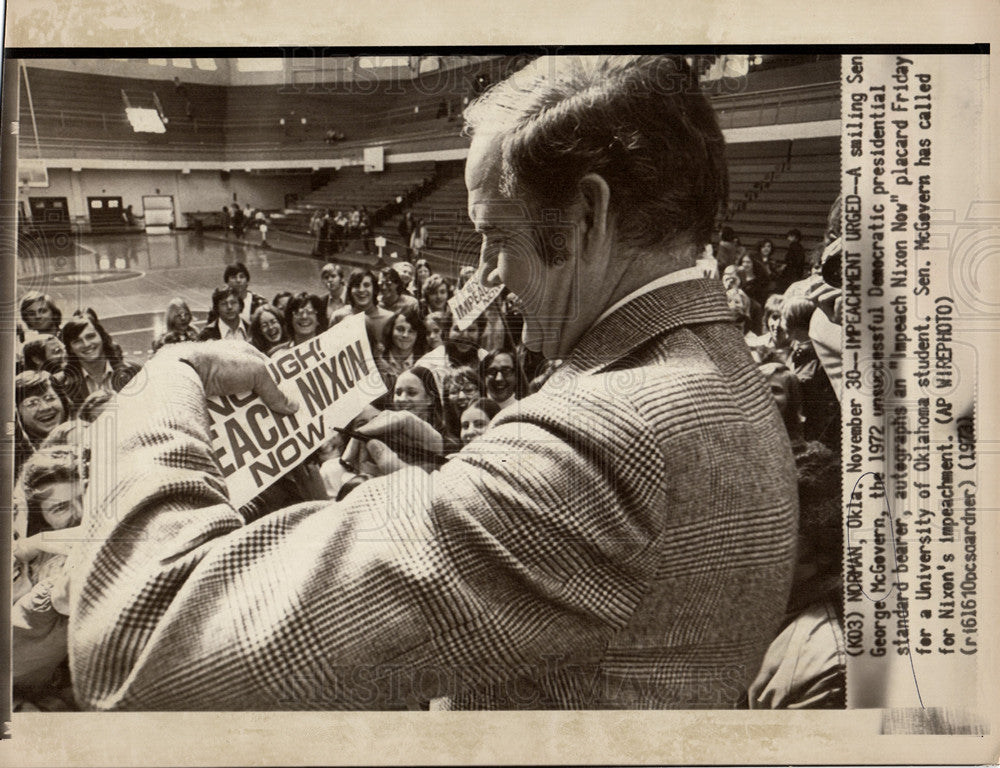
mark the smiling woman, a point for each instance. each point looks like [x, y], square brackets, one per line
[39, 410]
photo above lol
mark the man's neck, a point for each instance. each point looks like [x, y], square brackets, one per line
[95, 369]
[627, 274]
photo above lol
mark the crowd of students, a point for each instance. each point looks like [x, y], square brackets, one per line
[332, 231]
[456, 379]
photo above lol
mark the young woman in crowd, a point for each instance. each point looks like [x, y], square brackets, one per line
[40, 313]
[178, 325]
[772, 344]
[505, 381]
[52, 488]
[460, 387]
[45, 353]
[754, 284]
[436, 324]
[404, 340]
[362, 296]
[763, 258]
[416, 391]
[94, 361]
[421, 271]
[476, 418]
[53, 492]
[436, 292]
[281, 301]
[38, 409]
[267, 330]
[304, 317]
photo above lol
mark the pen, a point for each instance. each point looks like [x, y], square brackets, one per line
[406, 453]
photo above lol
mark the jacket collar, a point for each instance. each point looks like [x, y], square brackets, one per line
[649, 315]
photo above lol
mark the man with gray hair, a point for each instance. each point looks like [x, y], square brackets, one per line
[623, 539]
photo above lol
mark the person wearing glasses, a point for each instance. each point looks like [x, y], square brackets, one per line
[596, 549]
[179, 328]
[304, 317]
[267, 330]
[503, 377]
[38, 409]
[227, 306]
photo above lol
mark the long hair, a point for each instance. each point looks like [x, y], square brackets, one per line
[41, 470]
[452, 416]
[430, 385]
[257, 337]
[29, 384]
[31, 297]
[174, 308]
[432, 283]
[417, 282]
[296, 303]
[411, 315]
[75, 327]
[356, 278]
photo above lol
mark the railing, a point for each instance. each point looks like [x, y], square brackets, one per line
[418, 119]
[779, 105]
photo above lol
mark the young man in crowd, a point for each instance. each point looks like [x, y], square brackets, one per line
[228, 325]
[599, 549]
[237, 277]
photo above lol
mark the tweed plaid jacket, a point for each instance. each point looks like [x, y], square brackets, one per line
[625, 539]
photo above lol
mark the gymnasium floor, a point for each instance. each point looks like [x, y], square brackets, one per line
[129, 279]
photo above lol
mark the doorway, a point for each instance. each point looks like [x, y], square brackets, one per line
[49, 214]
[105, 213]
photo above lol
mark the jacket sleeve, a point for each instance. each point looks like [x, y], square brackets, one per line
[417, 585]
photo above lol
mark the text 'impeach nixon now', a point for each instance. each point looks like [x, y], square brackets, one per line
[332, 377]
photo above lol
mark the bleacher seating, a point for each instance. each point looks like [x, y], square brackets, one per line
[799, 195]
[73, 110]
[82, 115]
[773, 185]
[351, 186]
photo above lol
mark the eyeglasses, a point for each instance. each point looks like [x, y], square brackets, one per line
[304, 312]
[505, 370]
[38, 401]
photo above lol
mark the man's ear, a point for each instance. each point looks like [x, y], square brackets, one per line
[595, 215]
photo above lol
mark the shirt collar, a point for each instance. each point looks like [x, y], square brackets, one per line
[104, 375]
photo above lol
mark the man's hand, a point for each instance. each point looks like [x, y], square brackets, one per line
[400, 438]
[232, 367]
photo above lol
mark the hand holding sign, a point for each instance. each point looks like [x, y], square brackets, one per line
[257, 432]
[229, 368]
